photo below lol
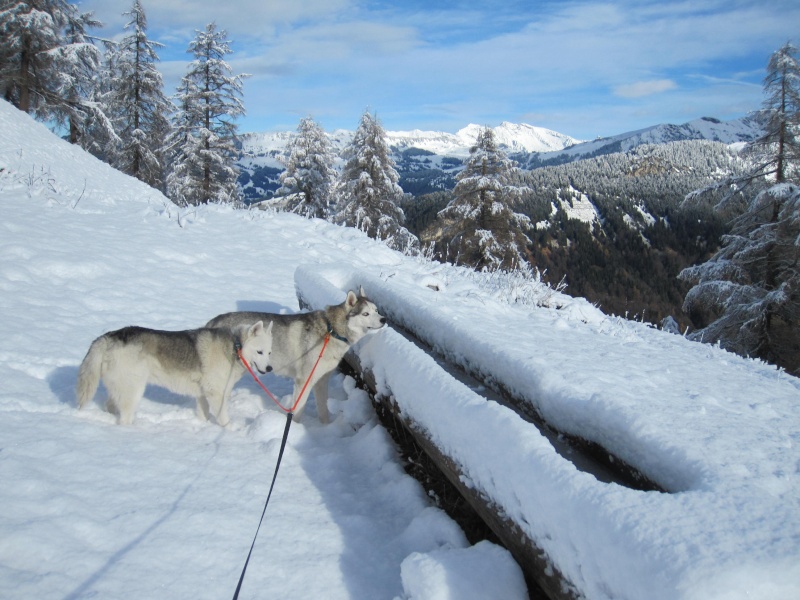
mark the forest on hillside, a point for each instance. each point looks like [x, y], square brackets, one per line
[627, 262]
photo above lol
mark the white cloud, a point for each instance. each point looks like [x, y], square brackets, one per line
[644, 88]
[429, 64]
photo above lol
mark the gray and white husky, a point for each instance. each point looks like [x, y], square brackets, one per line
[202, 363]
[298, 340]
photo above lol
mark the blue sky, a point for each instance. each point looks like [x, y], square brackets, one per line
[586, 68]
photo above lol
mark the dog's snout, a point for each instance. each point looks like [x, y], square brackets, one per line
[383, 320]
[269, 368]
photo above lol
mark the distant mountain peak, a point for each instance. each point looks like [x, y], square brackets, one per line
[436, 156]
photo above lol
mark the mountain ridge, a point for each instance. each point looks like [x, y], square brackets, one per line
[429, 160]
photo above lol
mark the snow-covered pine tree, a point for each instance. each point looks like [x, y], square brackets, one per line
[47, 61]
[78, 78]
[30, 31]
[778, 150]
[183, 148]
[136, 103]
[98, 135]
[204, 142]
[748, 293]
[309, 177]
[368, 192]
[478, 227]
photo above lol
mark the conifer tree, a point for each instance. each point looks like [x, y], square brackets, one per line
[204, 141]
[749, 291]
[183, 178]
[747, 295]
[98, 135]
[478, 227]
[136, 103]
[778, 150]
[48, 62]
[309, 177]
[368, 190]
[78, 78]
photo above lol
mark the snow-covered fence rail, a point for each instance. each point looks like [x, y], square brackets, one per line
[539, 571]
[467, 349]
[461, 413]
[715, 429]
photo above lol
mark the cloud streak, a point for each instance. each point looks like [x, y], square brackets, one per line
[585, 67]
[641, 89]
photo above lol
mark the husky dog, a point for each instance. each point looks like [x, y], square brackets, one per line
[203, 363]
[298, 340]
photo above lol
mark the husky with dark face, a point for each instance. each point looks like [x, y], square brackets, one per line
[203, 363]
[298, 340]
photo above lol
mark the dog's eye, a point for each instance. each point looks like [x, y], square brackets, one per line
[366, 314]
[261, 352]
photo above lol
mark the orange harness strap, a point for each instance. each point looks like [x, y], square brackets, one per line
[305, 386]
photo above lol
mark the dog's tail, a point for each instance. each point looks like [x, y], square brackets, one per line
[90, 371]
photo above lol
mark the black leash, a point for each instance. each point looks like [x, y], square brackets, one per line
[277, 466]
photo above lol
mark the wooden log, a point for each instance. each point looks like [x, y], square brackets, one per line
[539, 571]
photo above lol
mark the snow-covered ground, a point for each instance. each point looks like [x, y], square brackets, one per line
[166, 508]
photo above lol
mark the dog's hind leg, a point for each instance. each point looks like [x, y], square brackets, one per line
[202, 407]
[123, 397]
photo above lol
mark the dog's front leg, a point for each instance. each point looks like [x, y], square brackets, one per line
[215, 399]
[219, 408]
[222, 416]
[300, 406]
[321, 398]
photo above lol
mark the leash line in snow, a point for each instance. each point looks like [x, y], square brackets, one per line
[289, 415]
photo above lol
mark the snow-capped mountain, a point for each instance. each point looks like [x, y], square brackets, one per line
[429, 160]
[736, 131]
[514, 137]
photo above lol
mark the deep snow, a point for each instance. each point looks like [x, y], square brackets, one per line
[166, 508]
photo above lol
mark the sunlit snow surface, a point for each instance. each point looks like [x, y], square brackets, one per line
[167, 508]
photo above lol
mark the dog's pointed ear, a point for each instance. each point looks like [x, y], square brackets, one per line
[269, 327]
[352, 300]
[256, 328]
[361, 291]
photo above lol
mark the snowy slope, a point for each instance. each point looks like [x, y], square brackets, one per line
[166, 508]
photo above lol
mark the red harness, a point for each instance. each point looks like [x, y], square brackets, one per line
[303, 391]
